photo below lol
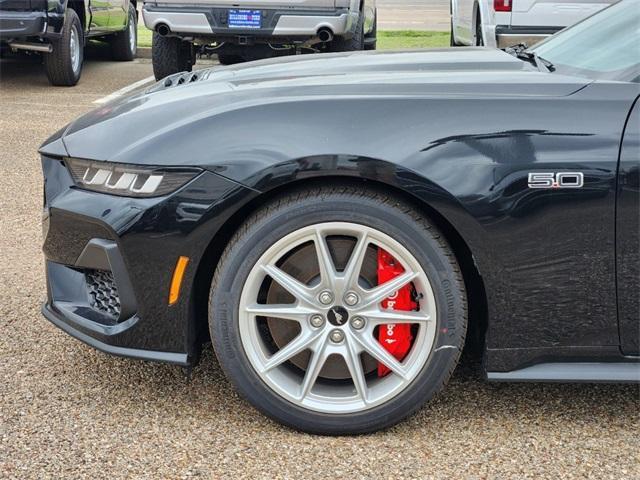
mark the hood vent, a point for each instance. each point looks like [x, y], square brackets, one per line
[182, 78]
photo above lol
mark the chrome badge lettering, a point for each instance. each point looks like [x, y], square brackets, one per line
[556, 180]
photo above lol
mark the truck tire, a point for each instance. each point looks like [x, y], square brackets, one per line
[229, 59]
[355, 43]
[124, 44]
[371, 38]
[170, 55]
[64, 63]
[479, 41]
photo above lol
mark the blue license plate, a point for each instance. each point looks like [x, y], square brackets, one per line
[245, 19]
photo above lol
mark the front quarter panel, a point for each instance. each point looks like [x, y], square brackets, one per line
[546, 256]
[464, 149]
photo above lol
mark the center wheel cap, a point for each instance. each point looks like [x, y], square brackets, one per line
[338, 316]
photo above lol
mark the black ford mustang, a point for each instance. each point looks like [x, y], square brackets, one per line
[339, 225]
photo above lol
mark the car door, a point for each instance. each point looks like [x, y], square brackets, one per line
[627, 238]
[118, 14]
[99, 10]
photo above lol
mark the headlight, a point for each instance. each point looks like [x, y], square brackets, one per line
[128, 180]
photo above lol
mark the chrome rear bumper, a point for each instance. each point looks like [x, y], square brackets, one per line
[276, 23]
[508, 36]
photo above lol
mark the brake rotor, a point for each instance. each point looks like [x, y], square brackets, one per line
[303, 265]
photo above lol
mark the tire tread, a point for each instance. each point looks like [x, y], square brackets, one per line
[348, 192]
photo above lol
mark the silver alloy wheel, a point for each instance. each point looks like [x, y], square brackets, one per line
[132, 35]
[303, 388]
[74, 49]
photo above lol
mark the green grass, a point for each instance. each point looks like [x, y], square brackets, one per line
[401, 39]
[144, 36]
[387, 39]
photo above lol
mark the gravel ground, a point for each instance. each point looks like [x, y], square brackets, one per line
[68, 411]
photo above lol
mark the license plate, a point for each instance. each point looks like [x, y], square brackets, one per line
[245, 19]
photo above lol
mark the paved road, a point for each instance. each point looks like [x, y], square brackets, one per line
[68, 411]
[413, 15]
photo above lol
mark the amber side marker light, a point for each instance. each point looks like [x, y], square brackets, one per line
[176, 281]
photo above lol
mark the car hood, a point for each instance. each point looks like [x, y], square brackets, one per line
[118, 129]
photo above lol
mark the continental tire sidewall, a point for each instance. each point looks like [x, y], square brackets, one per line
[428, 248]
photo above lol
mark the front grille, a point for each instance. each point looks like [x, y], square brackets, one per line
[103, 292]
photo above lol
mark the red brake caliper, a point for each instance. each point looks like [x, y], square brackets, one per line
[395, 337]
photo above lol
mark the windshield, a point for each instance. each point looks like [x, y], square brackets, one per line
[603, 46]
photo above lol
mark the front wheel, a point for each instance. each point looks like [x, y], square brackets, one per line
[64, 64]
[337, 310]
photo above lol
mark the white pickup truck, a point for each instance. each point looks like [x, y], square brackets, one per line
[503, 23]
[239, 30]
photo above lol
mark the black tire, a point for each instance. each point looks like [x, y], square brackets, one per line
[479, 39]
[170, 55]
[353, 44]
[59, 65]
[371, 38]
[228, 59]
[122, 47]
[324, 204]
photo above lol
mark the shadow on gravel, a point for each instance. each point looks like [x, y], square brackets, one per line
[467, 400]
[26, 65]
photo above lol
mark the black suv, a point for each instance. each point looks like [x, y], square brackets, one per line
[59, 30]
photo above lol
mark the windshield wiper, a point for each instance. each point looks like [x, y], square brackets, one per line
[520, 51]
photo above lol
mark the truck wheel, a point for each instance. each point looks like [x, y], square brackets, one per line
[227, 59]
[355, 43]
[170, 55]
[64, 63]
[124, 44]
[371, 38]
[300, 310]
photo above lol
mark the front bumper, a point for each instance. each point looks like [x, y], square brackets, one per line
[276, 23]
[507, 36]
[110, 261]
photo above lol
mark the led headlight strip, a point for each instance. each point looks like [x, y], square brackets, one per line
[128, 180]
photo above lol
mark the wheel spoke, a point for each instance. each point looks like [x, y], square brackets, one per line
[303, 324]
[352, 359]
[354, 266]
[379, 293]
[286, 281]
[316, 362]
[373, 348]
[283, 311]
[381, 316]
[325, 262]
[299, 344]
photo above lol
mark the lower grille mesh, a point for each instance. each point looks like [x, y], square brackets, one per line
[103, 292]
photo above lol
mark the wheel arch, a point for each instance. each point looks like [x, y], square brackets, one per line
[474, 284]
[81, 9]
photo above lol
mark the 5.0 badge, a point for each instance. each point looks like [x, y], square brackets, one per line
[556, 180]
